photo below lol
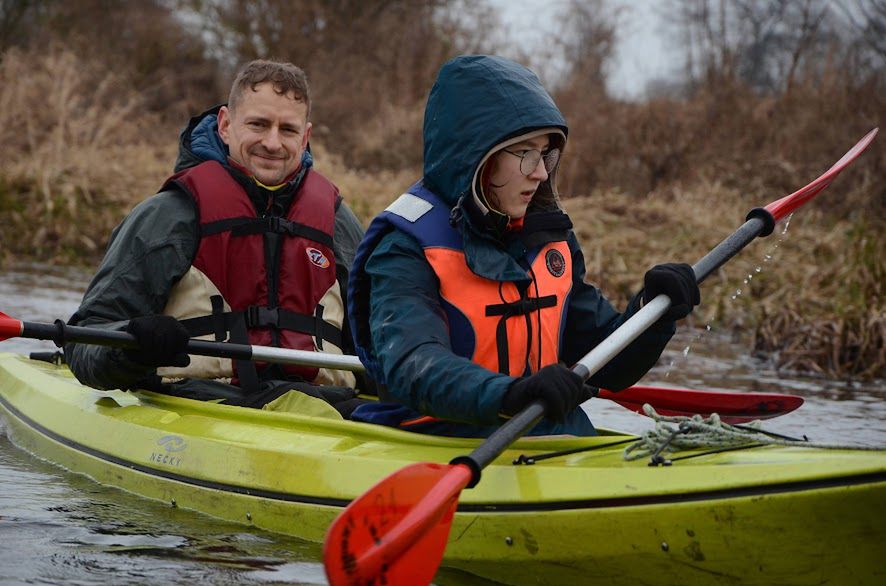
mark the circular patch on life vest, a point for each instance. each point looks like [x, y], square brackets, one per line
[317, 258]
[555, 262]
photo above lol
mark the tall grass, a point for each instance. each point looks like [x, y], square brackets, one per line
[78, 147]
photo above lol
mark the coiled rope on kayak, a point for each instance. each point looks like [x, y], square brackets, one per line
[678, 432]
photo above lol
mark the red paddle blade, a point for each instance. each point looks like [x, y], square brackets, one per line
[396, 532]
[9, 327]
[784, 206]
[732, 407]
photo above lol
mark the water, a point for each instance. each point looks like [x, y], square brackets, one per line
[59, 527]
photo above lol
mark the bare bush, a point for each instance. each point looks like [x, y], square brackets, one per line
[145, 41]
[368, 61]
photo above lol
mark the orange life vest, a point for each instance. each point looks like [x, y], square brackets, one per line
[509, 327]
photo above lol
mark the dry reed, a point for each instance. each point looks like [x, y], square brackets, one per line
[77, 146]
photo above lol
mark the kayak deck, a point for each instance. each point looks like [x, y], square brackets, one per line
[789, 514]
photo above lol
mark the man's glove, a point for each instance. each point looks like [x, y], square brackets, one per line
[162, 341]
[559, 388]
[677, 281]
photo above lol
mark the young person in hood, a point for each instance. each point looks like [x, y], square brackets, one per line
[246, 243]
[468, 294]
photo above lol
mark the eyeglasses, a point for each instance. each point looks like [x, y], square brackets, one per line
[529, 159]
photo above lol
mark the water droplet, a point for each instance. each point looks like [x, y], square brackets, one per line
[708, 327]
[686, 351]
[758, 270]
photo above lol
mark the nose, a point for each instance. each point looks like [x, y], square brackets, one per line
[271, 140]
[539, 173]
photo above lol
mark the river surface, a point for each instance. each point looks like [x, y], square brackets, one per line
[57, 527]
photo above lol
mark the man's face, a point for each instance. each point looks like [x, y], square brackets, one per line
[266, 133]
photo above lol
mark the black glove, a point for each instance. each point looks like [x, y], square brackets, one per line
[559, 388]
[162, 341]
[677, 281]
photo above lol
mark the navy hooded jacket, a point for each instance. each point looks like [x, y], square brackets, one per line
[400, 328]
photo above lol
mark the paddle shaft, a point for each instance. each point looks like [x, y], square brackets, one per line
[61, 333]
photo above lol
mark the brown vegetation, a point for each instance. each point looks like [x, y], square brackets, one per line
[79, 149]
[90, 113]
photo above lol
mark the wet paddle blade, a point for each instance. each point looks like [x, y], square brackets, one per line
[784, 206]
[9, 327]
[732, 407]
[396, 532]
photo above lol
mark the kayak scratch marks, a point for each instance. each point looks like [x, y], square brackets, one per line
[465, 530]
[529, 541]
[693, 551]
[724, 515]
[728, 578]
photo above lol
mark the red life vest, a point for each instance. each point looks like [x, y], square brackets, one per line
[275, 305]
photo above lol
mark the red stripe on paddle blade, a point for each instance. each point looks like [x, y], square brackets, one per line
[396, 532]
[732, 407]
[784, 206]
[9, 327]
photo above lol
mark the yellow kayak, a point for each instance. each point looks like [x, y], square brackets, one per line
[761, 515]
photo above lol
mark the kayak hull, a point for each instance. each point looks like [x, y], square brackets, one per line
[759, 516]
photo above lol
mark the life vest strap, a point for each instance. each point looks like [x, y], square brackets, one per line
[513, 309]
[246, 226]
[521, 307]
[264, 317]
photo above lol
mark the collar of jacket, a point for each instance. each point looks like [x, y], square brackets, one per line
[497, 255]
[270, 202]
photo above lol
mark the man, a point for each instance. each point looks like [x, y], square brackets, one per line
[468, 294]
[246, 243]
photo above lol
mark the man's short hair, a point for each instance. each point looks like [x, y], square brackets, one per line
[285, 77]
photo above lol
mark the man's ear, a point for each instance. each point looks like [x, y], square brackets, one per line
[307, 136]
[224, 124]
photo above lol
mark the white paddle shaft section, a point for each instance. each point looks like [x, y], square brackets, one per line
[586, 367]
[620, 338]
[306, 358]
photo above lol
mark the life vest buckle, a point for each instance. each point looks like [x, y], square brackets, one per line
[274, 225]
[259, 317]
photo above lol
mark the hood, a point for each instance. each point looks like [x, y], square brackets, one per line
[200, 141]
[478, 105]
